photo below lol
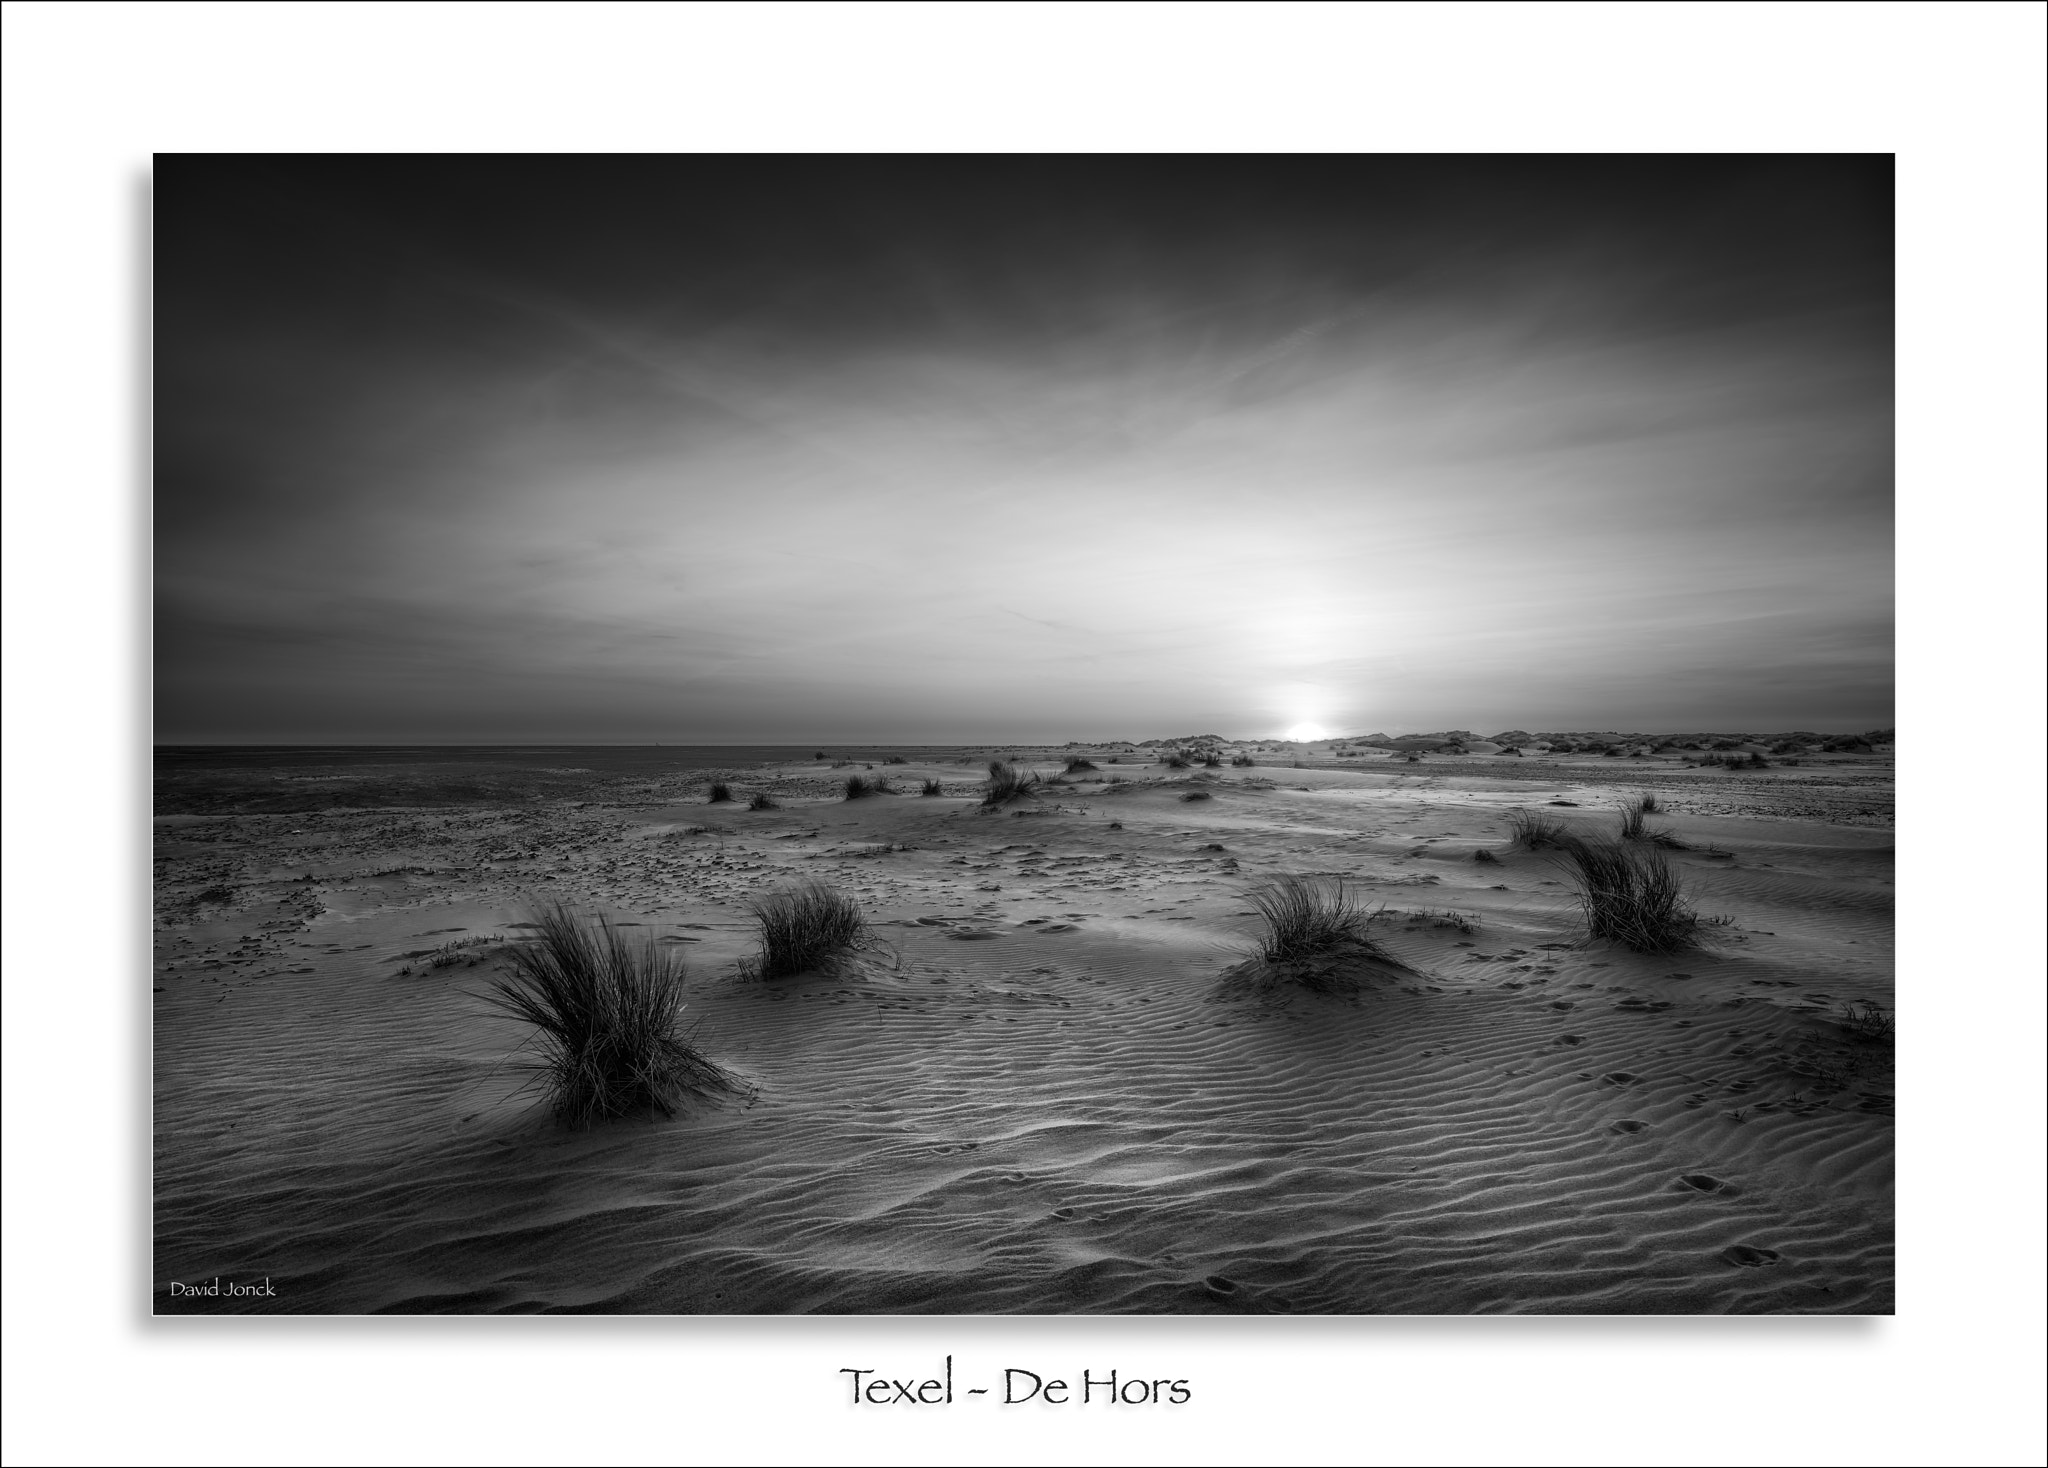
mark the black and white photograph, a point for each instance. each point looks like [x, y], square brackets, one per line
[1004, 733]
[981, 735]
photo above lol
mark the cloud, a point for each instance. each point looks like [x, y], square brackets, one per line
[963, 496]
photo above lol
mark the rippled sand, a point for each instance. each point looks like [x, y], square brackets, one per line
[1030, 1097]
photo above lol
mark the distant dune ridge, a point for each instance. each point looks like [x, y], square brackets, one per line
[1792, 742]
[1087, 1047]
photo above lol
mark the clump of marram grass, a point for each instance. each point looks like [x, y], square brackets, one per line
[1175, 760]
[804, 928]
[606, 1016]
[1635, 828]
[932, 787]
[1006, 783]
[1306, 918]
[1444, 917]
[1241, 760]
[1633, 818]
[467, 951]
[1630, 895]
[1079, 766]
[1210, 761]
[860, 786]
[761, 801]
[1485, 857]
[1534, 832]
[894, 759]
[1316, 937]
[720, 793]
[1868, 1023]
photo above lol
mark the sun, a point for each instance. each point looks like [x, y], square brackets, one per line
[1307, 733]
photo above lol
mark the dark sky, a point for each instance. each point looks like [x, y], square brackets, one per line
[790, 449]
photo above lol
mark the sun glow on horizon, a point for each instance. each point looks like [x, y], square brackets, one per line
[1306, 733]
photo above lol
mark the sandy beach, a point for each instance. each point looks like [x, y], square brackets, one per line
[1028, 1095]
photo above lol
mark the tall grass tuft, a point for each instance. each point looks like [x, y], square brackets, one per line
[606, 1016]
[720, 793]
[1534, 832]
[1079, 766]
[761, 801]
[1634, 827]
[932, 787]
[1868, 1023]
[859, 786]
[1006, 783]
[804, 928]
[1630, 895]
[1312, 927]
[1632, 814]
[1175, 760]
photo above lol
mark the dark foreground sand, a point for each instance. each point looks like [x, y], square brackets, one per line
[1030, 1098]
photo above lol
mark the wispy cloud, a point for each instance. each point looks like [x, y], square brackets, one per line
[982, 495]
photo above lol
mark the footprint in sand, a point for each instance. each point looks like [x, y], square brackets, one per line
[1570, 1040]
[1628, 1127]
[1620, 1078]
[1706, 1182]
[1220, 1285]
[1063, 1213]
[1749, 1256]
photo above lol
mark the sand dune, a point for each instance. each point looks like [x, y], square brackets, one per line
[1030, 1096]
